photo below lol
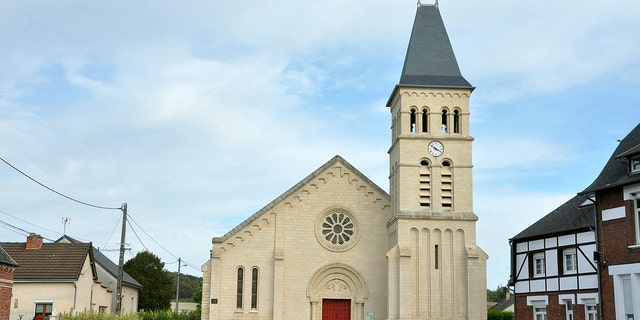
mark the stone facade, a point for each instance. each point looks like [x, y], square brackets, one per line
[337, 246]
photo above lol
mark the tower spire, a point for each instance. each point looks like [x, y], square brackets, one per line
[430, 60]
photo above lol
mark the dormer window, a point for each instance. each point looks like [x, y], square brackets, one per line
[635, 164]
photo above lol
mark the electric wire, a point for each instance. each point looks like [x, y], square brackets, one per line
[90, 205]
[152, 239]
[136, 234]
[29, 223]
[7, 225]
[58, 193]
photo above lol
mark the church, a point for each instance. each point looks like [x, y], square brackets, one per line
[338, 247]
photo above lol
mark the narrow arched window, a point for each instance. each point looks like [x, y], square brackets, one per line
[239, 285]
[456, 121]
[446, 185]
[425, 120]
[254, 288]
[425, 184]
[444, 121]
[412, 120]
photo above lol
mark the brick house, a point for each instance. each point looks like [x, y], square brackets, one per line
[617, 199]
[7, 267]
[552, 267]
[582, 260]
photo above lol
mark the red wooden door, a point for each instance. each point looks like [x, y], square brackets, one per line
[336, 309]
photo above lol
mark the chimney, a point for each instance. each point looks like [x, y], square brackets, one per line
[34, 242]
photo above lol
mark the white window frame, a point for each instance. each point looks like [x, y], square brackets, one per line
[569, 309]
[635, 164]
[570, 260]
[539, 270]
[591, 312]
[627, 296]
[539, 312]
[636, 207]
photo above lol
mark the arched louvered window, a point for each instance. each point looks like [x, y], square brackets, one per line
[446, 185]
[425, 184]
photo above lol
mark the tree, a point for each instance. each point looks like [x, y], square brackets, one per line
[157, 285]
[498, 295]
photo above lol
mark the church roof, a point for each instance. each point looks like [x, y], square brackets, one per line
[616, 172]
[296, 188]
[430, 60]
[573, 216]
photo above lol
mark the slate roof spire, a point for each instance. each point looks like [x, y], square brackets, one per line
[430, 61]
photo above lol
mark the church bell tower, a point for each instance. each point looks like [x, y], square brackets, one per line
[436, 270]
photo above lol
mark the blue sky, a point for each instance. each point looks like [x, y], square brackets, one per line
[184, 110]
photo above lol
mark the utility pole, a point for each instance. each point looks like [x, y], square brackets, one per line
[178, 285]
[121, 260]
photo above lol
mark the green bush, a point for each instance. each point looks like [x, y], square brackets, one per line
[144, 315]
[499, 315]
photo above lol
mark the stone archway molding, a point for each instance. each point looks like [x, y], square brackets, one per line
[337, 281]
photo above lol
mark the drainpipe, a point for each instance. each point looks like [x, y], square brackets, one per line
[75, 294]
[91, 297]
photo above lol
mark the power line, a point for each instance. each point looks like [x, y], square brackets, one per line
[56, 192]
[156, 242]
[9, 226]
[136, 234]
[29, 223]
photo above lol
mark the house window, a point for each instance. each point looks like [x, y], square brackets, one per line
[43, 309]
[637, 208]
[538, 264]
[540, 313]
[628, 298]
[569, 309]
[570, 261]
[435, 257]
[254, 288]
[239, 284]
[635, 164]
[591, 312]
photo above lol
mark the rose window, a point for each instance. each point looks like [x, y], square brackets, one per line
[337, 228]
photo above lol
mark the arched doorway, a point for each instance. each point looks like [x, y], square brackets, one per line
[337, 290]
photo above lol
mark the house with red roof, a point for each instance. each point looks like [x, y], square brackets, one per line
[54, 278]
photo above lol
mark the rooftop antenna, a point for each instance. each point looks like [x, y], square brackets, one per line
[65, 220]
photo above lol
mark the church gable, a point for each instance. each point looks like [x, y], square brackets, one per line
[305, 190]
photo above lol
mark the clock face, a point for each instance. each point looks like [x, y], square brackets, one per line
[436, 148]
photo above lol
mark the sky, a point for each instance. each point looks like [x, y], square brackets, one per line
[199, 113]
